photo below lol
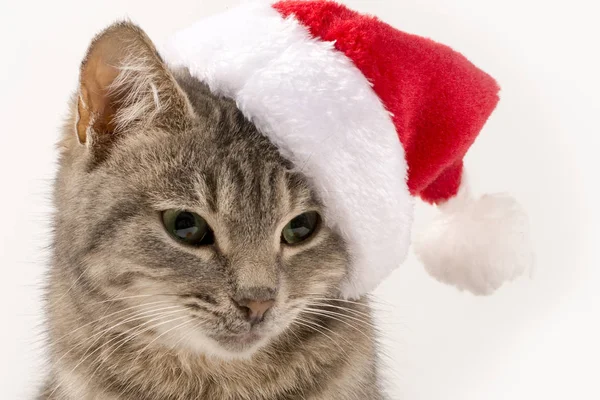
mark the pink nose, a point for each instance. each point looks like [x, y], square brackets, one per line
[255, 309]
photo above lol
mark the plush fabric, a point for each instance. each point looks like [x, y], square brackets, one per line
[476, 243]
[439, 101]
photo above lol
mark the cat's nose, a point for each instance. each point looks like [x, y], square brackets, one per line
[255, 309]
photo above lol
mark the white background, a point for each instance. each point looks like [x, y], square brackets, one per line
[535, 339]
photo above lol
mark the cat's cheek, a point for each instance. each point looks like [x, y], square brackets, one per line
[315, 271]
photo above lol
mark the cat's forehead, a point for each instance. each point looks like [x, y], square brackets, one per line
[220, 163]
[242, 168]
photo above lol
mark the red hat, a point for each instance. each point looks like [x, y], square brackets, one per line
[373, 116]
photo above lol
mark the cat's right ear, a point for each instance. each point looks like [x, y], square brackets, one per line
[124, 84]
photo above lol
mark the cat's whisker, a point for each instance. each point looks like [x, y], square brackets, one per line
[287, 333]
[159, 336]
[317, 328]
[348, 309]
[125, 319]
[342, 315]
[140, 315]
[189, 333]
[136, 329]
[70, 287]
[110, 315]
[366, 303]
[339, 320]
[314, 327]
[136, 317]
[174, 346]
[311, 321]
[381, 352]
[357, 315]
[338, 334]
[371, 326]
[133, 297]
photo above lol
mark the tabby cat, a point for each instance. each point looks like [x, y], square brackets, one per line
[190, 259]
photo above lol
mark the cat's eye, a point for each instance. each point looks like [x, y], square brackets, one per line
[300, 228]
[187, 227]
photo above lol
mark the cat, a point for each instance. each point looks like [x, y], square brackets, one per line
[190, 259]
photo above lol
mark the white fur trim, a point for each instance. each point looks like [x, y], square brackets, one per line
[318, 108]
[477, 244]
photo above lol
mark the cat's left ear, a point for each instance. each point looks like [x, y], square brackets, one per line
[124, 82]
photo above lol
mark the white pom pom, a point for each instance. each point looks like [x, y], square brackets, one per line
[477, 244]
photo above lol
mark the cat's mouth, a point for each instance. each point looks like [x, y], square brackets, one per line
[233, 338]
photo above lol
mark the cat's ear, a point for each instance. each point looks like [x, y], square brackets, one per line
[124, 83]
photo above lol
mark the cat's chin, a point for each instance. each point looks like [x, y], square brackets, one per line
[225, 347]
[240, 346]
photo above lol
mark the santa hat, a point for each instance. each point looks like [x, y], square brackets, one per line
[373, 117]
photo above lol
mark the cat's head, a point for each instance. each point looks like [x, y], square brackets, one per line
[176, 217]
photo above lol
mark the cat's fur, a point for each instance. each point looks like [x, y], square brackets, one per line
[130, 310]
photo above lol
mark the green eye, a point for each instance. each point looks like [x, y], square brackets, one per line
[187, 227]
[300, 228]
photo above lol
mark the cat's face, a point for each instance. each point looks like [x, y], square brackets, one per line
[178, 217]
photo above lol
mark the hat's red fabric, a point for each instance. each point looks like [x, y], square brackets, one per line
[438, 100]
